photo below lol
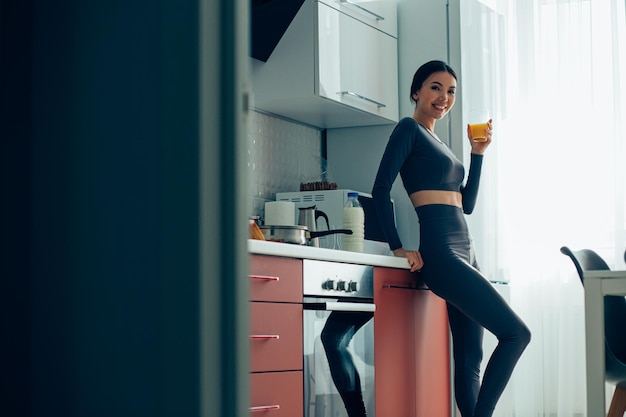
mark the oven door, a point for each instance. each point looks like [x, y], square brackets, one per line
[338, 358]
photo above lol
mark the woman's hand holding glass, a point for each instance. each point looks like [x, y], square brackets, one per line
[480, 145]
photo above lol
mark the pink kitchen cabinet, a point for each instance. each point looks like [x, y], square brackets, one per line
[276, 394]
[275, 336]
[412, 347]
[276, 377]
[275, 279]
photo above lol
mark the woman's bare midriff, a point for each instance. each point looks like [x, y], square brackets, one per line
[425, 197]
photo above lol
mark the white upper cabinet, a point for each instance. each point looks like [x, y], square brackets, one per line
[380, 14]
[335, 66]
[357, 64]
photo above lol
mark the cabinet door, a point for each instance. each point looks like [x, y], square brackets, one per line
[275, 279]
[395, 343]
[276, 394]
[357, 64]
[380, 14]
[432, 355]
[412, 353]
[275, 336]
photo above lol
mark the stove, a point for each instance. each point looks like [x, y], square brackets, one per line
[338, 322]
[334, 279]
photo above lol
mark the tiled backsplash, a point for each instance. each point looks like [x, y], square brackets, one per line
[281, 155]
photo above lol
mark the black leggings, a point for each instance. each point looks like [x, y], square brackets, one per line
[451, 272]
[336, 335]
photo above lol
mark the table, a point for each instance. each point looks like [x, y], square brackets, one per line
[597, 285]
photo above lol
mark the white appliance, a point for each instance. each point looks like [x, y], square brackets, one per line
[338, 342]
[331, 202]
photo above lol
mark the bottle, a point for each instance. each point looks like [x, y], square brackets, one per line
[353, 219]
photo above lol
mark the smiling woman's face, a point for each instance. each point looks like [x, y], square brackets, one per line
[436, 96]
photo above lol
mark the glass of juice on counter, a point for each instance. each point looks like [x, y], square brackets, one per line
[479, 131]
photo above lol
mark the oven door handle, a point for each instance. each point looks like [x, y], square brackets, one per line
[332, 306]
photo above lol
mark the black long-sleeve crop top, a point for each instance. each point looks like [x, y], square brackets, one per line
[424, 163]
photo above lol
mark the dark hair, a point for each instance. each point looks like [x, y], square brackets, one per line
[426, 71]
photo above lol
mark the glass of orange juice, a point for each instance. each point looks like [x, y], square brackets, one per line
[479, 131]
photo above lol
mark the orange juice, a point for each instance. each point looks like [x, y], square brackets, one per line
[479, 132]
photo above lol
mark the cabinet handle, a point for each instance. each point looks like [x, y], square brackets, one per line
[264, 408]
[405, 287]
[352, 93]
[264, 336]
[264, 277]
[375, 15]
[351, 307]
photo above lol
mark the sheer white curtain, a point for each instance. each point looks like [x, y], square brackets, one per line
[552, 74]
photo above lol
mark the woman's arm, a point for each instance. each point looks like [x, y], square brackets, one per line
[397, 150]
[469, 191]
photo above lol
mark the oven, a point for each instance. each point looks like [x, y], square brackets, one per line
[338, 339]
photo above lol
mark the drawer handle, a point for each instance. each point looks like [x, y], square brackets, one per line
[376, 16]
[264, 336]
[264, 277]
[353, 94]
[405, 287]
[264, 408]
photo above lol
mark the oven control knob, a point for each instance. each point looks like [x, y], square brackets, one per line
[353, 286]
[341, 285]
[329, 284]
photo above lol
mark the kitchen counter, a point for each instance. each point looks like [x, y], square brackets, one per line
[260, 247]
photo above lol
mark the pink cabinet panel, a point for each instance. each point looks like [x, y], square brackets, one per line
[275, 279]
[394, 345]
[411, 345]
[432, 353]
[275, 337]
[276, 378]
[276, 394]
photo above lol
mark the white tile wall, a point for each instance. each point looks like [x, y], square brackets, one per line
[281, 155]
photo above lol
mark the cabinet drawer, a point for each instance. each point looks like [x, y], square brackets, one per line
[275, 337]
[275, 279]
[276, 394]
[380, 14]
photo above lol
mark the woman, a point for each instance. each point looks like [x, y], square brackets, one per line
[433, 178]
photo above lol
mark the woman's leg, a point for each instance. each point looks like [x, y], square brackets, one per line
[336, 335]
[465, 288]
[467, 345]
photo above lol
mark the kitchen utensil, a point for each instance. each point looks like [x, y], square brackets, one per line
[308, 216]
[299, 235]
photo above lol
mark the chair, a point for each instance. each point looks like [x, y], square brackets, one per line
[615, 329]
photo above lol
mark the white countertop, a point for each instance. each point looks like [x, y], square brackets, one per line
[261, 247]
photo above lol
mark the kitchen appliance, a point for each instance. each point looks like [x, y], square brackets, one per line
[279, 213]
[299, 235]
[308, 216]
[332, 202]
[338, 325]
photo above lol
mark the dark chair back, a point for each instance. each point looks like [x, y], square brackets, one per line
[614, 315]
[585, 260]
